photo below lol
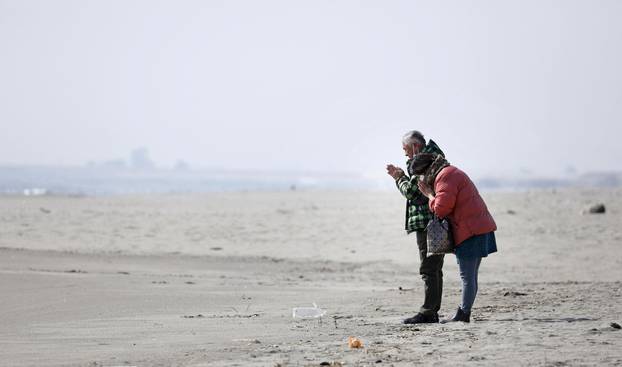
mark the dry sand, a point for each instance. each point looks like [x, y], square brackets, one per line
[210, 280]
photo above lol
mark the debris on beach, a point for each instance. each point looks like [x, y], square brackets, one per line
[511, 212]
[45, 211]
[308, 312]
[355, 343]
[514, 294]
[216, 248]
[75, 271]
[249, 341]
[615, 325]
[597, 209]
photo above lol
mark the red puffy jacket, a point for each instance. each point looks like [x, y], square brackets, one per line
[457, 199]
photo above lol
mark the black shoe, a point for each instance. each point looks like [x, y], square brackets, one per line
[422, 319]
[460, 316]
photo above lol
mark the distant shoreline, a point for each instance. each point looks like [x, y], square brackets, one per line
[105, 181]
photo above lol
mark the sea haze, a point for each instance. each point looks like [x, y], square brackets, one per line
[96, 180]
[93, 181]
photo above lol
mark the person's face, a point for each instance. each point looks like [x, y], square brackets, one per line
[410, 150]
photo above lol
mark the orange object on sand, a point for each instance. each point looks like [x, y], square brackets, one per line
[355, 342]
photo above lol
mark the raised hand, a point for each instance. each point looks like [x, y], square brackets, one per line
[394, 171]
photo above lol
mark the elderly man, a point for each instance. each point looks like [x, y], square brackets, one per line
[417, 217]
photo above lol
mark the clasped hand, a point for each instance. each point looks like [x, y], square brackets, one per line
[425, 190]
[394, 171]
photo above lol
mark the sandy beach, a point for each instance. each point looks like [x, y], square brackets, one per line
[211, 280]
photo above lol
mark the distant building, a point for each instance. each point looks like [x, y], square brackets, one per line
[139, 159]
[181, 165]
[115, 163]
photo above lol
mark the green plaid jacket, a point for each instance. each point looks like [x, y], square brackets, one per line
[417, 211]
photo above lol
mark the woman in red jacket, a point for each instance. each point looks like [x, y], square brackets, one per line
[453, 196]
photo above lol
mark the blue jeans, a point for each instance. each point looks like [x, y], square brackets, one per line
[469, 268]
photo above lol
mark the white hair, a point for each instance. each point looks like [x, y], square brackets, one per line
[413, 137]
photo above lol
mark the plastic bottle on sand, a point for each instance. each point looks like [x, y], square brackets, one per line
[308, 312]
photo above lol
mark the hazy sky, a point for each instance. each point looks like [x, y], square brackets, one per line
[502, 86]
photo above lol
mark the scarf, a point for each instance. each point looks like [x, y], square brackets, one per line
[428, 166]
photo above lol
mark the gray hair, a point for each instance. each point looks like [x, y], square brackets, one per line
[413, 137]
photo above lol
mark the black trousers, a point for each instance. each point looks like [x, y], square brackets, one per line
[431, 270]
